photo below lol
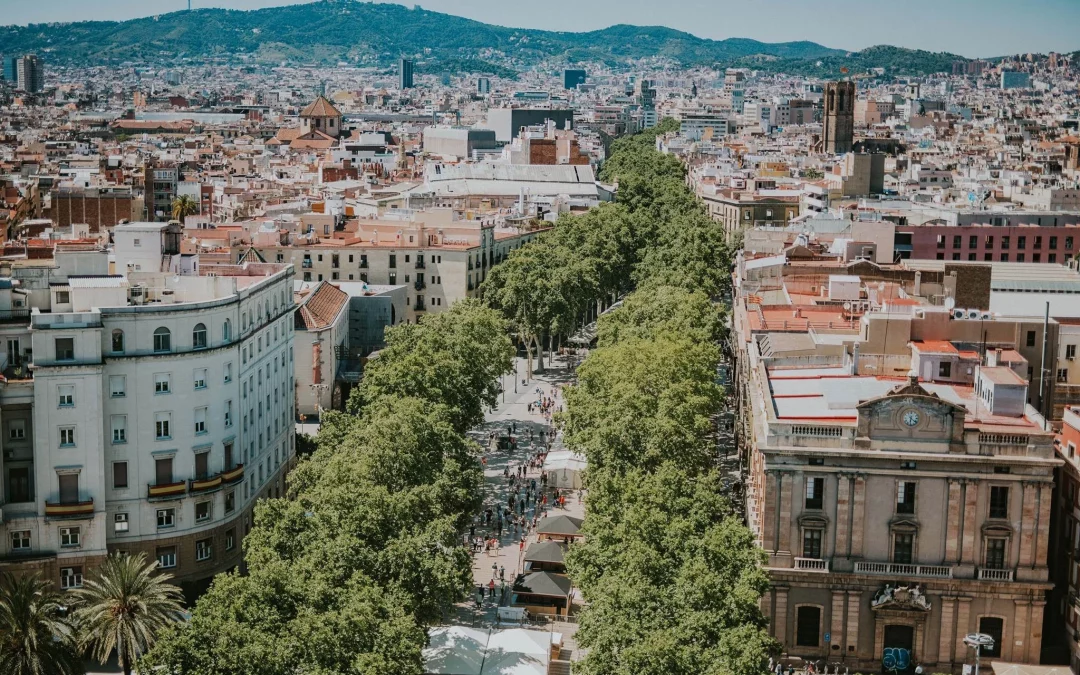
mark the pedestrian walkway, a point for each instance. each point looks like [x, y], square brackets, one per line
[494, 570]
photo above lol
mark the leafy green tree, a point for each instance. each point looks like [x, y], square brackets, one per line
[123, 606]
[658, 310]
[454, 358]
[35, 638]
[642, 402]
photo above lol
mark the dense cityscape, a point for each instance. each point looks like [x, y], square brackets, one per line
[433, 347]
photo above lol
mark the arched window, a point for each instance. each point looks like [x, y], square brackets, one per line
[118, 341]
[226, 331]
[162, 340]
[198, 336]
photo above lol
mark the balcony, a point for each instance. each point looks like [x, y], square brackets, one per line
[233, 475]
[419, 285]
[363, 264]
[197, 485]
[306, 264]
[995, 575]
[812, 565]
[15, 316]
[167, 490]
[904, 570]
[69, 509]
[420, 265]
[419, 307]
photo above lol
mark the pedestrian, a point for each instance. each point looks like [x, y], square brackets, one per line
[499, 528]
[472, 531]
[521, 546]
[502, 573]
[491, 589]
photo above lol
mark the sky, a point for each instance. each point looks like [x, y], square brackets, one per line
[972, 28]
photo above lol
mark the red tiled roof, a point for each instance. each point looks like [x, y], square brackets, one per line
[320, 107]
[321, 307]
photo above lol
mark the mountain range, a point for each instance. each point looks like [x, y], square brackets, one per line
[334, 31]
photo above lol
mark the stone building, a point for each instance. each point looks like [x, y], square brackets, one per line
[898, 515]
[839, 120]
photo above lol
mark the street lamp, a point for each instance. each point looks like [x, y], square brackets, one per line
[977, 641]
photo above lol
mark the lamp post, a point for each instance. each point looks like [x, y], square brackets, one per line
[977, 641]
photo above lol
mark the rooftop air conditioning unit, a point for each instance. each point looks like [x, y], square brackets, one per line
[973, 314]
[959, 313]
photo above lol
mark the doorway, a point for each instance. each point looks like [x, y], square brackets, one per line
[898, 646]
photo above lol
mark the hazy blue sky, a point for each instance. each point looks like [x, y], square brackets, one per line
[968, 27]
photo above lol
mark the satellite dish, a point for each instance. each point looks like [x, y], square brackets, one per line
[950, 303]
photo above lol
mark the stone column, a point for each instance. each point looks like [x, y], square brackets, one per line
[946, 631]
[971, 502]
[784, 524]
[1014, 649]
[843, 517]
[1027, 524]
[780, 618]
[858, 516]
[1042, 539]
[952, 527]
[963, 617]
[837, 624]
[768, 517]
[851, 636]
[1034, 641]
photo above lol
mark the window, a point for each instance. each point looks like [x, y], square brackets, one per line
[162, 340]
[162, 383]
[811, 544]
[992, 626]
[202, 465]
[200, 421]
[118, 341]
[1051, 258]
[226, 331]
[1063, 375]
[230, 539]
[945, 369]
[1004, 257]
[228, 448]
[20, 540]
[67, 436]
[1031, 338]
[200, 378]
[202, 550]
[70, 537]
[202, 512]
[166, 557]
[120, 522]
[66, 395]
[119, 428]
[118, 386]
[63, 298]
[815, 487]
[995, 553]
[1006, 242]
[1053, 243]
[162, 425]
[228, 413]
[393, 278]
[807, 626]
[903, 548]
[65, 349]
[973, 241]
[905, 497]
[956, 241]
[163, 471]
[999, 501]
[1038, 242]
[166, 518]
[1068, 243]
[16, 430]
[1021, 243]
[228, 372]
[70, 577]
[1020, 257]
[393, 261]
[1070, 352]
[230, 502]
[198, 336]
[989, 241]
[941, 241]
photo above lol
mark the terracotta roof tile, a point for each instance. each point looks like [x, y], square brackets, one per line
[321, 307]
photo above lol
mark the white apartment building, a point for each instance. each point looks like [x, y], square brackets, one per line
[162, 408]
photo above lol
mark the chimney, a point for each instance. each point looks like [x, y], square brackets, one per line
[855, 359]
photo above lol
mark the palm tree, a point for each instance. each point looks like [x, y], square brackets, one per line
[123, 607]
[184, 206]
[35, 638]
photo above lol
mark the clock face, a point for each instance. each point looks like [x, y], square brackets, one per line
[911, 418]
